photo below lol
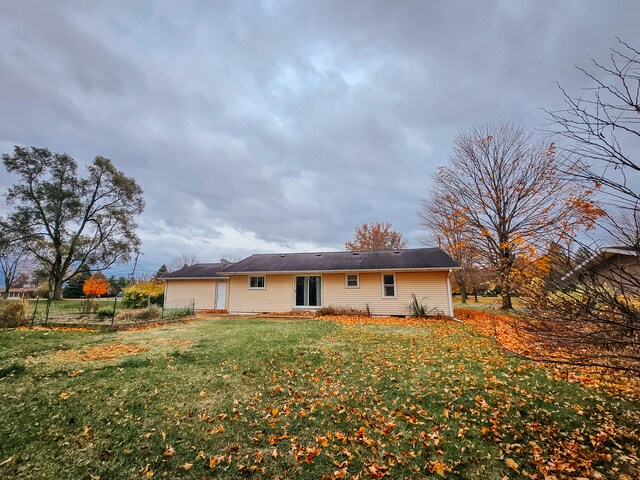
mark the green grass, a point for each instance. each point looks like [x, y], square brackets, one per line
[484, 303]
[59, 307]
[297, 399]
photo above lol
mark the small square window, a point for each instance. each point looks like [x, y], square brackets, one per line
[389, 285]
[256, 282]
[353, 281]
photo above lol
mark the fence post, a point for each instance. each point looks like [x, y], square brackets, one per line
[115, 303]
[148, 300]
[193, 306]
[46, 316]
[35, 309]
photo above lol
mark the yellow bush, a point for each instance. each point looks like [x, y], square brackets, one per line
[137, 295]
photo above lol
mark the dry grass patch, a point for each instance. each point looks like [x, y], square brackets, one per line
[102, 352]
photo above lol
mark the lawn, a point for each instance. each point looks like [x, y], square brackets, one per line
[310, 398]
[483, 303]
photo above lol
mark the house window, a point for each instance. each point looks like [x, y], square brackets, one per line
[256, 282]
[352, 281]
[389, 285]
[308, 291]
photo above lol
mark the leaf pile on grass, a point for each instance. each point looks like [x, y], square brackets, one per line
[103, 352]
[396, 321]
[290, 314]
[56, 328]
[514, 335]
[335, 310]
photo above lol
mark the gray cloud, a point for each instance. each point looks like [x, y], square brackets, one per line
[273, 125]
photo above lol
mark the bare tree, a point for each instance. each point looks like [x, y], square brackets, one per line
[603, 128]
[375, 236]
[594, 313]
[181, 261]
[230, 257]
[13, 263]
[509, 190]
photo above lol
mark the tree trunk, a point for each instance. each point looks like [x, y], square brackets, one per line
[463, 293]
[506, 301]
[475, 294]
[506, 266]
[57, 290]
[462, 285]
[505, 291]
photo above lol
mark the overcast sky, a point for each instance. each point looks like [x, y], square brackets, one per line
[281, 125]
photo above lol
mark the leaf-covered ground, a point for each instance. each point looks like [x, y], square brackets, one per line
[300, 399]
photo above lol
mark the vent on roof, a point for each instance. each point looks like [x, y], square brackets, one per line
[355, 253]
[318, 254]
[397, 251]
[282, 255]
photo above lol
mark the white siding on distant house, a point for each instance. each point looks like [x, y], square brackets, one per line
[181, 293]
[431, 288]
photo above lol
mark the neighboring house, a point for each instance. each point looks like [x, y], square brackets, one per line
[381, 280]
[617, 268]
[18, 293]
[203, 286]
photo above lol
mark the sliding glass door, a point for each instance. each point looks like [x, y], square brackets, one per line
[308, 291]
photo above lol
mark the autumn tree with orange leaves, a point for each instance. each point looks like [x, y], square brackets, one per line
[450, 231]
[375, 236]
[507, 190]
[95, 286]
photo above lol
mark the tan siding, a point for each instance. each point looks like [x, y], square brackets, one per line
[180, 293]
[276, 297]
[430, 287]
[620, 271]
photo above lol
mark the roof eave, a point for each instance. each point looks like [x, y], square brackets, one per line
[194, 278]
[363, 270]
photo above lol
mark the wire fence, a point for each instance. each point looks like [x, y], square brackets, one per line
[89, 311]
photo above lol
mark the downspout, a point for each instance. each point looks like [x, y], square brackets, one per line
[449, 291]
[164, 297]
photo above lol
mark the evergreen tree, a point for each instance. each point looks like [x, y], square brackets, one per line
[117, 284]
[163, 270]
[73, 287]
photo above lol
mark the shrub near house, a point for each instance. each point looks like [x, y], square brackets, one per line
[142, 293]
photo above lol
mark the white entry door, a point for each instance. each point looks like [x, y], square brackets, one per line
[221, 296]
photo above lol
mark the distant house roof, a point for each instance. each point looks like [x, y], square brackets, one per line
[407, 259]
[198, 270]
[600, 256]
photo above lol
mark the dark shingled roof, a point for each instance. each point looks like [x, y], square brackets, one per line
[408, 259]
[199, 270]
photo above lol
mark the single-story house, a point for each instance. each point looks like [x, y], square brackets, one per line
[203, 286]
[18, 293]
[381, 280]
[616, 267]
